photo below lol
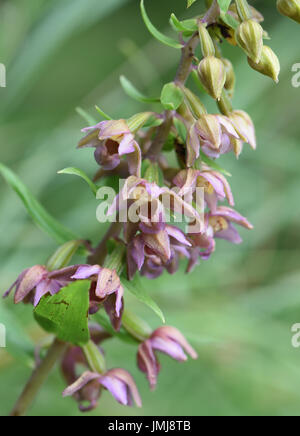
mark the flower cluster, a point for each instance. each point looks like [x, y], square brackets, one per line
[146, 237]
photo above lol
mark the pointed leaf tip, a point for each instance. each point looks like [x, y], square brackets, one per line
[156, 33]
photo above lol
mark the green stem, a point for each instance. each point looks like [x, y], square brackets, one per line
[38, 378]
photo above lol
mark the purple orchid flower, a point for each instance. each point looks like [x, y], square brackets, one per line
[222, 223]
[167, 340]
[147, 203]
[216, 187]
[117, 381]
[152, 253]
[35, 282]
[219, 224]
[112, 140]
[107, 289]
[214, 134]
[74, 357]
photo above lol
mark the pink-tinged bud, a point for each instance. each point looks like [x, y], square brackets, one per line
[230, 76]
[245, 127]
[269, 64]
[212, 75]
[249, 36]
[289, 8]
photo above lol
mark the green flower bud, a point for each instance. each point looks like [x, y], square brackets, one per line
[290, 8]
[269, 64]
[207, 45]
[230, 76]
[195, 103]
[213, 76]
[249, 36]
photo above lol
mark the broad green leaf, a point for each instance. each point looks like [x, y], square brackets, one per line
[18, 343]
[172, 96]
[130, 90]
[66, 313]
[77, 172]
[103, 114]
[86, 116]
[102, 319]
[135, 288]
[37, 212]
[63, 255]
[190, 3]
[156, 33]
[214, 165]
[224, 5]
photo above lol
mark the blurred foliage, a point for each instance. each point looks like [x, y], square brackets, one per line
[237, 308]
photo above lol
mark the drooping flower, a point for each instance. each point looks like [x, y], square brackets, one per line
[146, 205]
[73, 358]
[167, 340]
[107, 290]
[35, 282]
[219, 224]
[222, 222]
[117, 381]
[152, 253]
[215, 185]
[112, 140]
[218, 134]
[245, 127]
[213, 134]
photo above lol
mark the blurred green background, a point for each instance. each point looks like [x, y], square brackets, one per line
[238, 308]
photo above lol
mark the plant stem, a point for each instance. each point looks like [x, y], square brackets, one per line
[100, 252]
[37, 379]
[187, 55]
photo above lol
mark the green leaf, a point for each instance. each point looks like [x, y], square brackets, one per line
[224, 5]
[230, 21]
[86, 116]
[135, 288]
[66, 313]
[18, 343]
[156, 33]
[37, 212]
[77, 172]
[172, 96]
[130, 90]
[214, 165]
[104, 321]
[190, 3]
[189, 26]
[103, 114]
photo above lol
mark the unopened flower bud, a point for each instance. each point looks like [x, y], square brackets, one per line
[230, 75]
[207, 45]
[269, 64]
[194, 102]
[212, 75]
[290, 8]
[249, 36]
